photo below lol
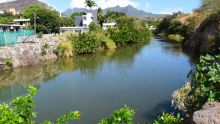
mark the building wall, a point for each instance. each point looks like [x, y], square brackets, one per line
[87, 19]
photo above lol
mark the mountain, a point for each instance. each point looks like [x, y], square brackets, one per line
[129, 10]
[20, 5]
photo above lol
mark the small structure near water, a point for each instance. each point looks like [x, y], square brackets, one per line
[81, 24]
[15, 33]
[105, 26]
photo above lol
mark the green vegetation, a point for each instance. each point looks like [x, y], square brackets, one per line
[64, 49]
[85, 43]
[205, 86]
[98, 39]
[8, 63]
[95, 27]
[90, 3]
[43, 49]
[40, 35]
[47, 20]
[21, 111]
[176, 38]
[7, 17]
[168, 119]
[124, 115]
[207, 78]
[128, 33]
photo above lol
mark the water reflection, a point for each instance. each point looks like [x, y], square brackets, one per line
[86, 64]
[142, 76]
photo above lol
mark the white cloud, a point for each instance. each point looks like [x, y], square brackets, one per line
[170, 10]
[105, 3]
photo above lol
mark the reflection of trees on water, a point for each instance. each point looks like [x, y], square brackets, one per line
[177, 50]
[35, 74]
[86, 64]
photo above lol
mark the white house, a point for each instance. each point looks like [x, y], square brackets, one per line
[105, 26]
[81, 24]
[87, 19]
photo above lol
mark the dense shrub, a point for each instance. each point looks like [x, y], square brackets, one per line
[105, 41]
[64, 49]
[130, 36]
[184, 100]
[176, 38]
[205, 86]
[95, 27]
[85, 43]
[207, 77]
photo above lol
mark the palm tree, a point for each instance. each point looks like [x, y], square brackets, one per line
[90, 3]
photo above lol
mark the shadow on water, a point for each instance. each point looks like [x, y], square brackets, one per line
[164, 106]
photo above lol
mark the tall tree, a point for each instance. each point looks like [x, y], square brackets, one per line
[47, 20]
[90, 3]
[100, 16]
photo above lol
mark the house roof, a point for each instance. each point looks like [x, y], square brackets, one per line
[21, 20]
[109, 24]
[78, 21]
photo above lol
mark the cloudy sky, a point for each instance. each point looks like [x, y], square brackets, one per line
[154, 6]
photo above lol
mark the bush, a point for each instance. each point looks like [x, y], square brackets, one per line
[94, 27]
[168, 119]
[106, 42]
[130, 36]
[124, 115]
[21, 111]
[43, 49]
[205, 86]
[85, 43]
[64, 49]
[207, 78]
[176, 38]
[184, 100]
[40, 35]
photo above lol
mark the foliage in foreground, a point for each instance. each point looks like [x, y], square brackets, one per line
[205, 86]
[21, 111]
[207, 77]
[124, 115]
[168, 119]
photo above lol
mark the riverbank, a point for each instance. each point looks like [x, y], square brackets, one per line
[27, 54]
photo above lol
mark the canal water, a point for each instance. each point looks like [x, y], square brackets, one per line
[142, 76]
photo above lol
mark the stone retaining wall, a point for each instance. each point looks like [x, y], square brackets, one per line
[25, 54]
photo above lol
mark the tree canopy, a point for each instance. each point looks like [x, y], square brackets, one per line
[90, 3]
[47, 20]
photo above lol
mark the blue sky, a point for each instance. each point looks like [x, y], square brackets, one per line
[154, 6]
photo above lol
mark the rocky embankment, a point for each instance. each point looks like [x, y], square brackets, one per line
[206, 36]
[25, 54]
[209, 114]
